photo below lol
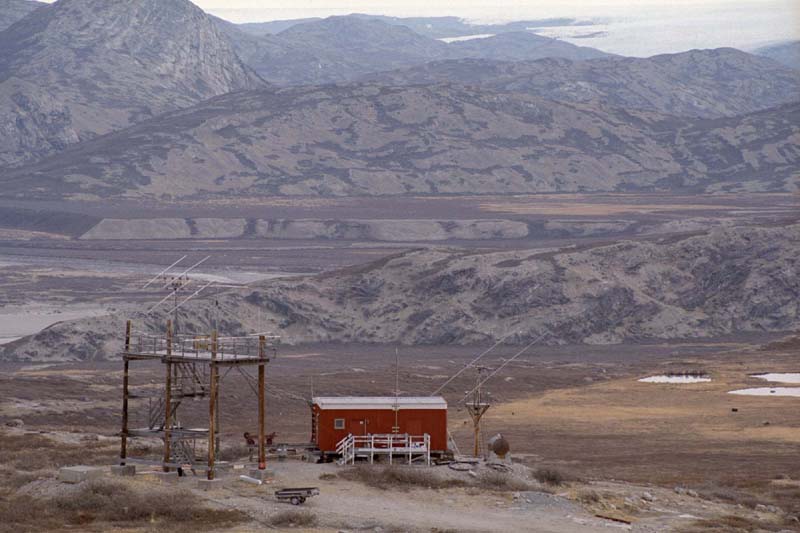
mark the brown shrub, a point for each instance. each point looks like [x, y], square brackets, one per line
[399, 477]
[548, 476]
[492, 480]
[293, 519]
[588, 497]
[729, 495]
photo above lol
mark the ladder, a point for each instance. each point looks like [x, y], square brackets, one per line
[183, 454]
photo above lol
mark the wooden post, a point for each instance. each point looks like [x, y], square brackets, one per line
[477, 450]
[123, 443]
[212, 404]
[168, 400]
[262, 426]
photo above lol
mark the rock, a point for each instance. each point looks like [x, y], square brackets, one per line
[648, 497]
[630, 502]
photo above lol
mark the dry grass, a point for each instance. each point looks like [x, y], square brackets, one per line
[735, 523]
[33, 452]
[293, 519]
[237, 451]
[108, 502]
[398, 477]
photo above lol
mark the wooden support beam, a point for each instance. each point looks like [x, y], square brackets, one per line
[123, 443]
[212, 404]
[262, 429]
[168, 401]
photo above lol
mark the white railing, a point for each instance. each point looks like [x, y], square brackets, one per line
[411, 447]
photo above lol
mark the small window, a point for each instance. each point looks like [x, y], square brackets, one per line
[338, 423]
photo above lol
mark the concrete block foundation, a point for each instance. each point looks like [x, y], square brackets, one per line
[209, 484]
[78, 474]
[262, 475]
[123, 470]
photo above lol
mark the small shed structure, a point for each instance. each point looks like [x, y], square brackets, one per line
[334, 418]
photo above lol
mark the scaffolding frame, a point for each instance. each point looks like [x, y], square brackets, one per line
[181, 357]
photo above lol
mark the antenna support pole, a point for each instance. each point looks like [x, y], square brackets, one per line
[212, 404]
[476, 409]
[262, 437]
[168, 399]
[123, 443]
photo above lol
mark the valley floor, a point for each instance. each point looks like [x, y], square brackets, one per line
[575, 410]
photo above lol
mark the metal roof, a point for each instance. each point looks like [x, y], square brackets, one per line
[380, 402]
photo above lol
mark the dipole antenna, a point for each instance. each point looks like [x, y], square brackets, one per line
[163, 272]
[499, 368]
[175, 284]
[471, 363]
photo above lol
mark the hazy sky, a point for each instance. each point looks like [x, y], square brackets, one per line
[630, 27]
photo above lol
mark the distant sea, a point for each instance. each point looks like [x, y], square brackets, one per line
[633, 28]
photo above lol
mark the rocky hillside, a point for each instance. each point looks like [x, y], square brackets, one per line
[80, 68]
[373, 140]
[13, 10]
[732, 280]
[699, 83]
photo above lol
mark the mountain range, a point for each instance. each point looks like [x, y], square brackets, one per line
[154, 98]
[787, 53]
[342, 49]
[375, 140]
[699, 83]
[434, 27]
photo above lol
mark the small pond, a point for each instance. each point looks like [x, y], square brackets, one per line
[677, 378]
[779, 377]
[768, 391]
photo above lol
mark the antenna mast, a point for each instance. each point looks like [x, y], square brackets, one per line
[396, 427]
[476, 408]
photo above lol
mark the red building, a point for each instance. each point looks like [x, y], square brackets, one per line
[334, 418]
